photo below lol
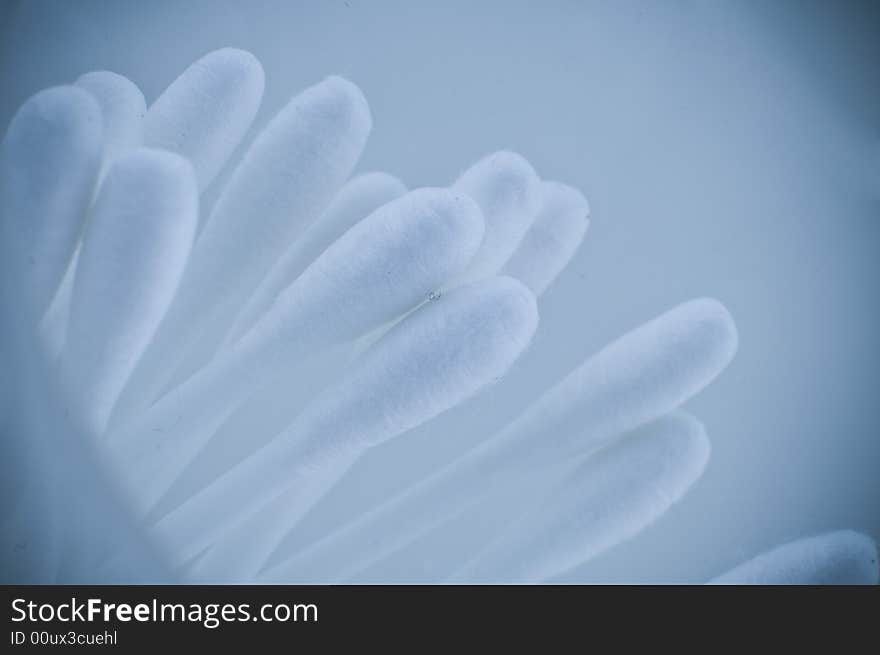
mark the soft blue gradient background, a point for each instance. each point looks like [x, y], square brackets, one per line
[728, 149]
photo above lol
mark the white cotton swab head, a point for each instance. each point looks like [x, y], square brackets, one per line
[641, 376]
[552, 239]
[48, 169]
[355, 201]
[122, 106]
[383, 266]
[844, 557]
[205, 112]
[611, 497]
[434, 359]
[507, 189]
[133, 255]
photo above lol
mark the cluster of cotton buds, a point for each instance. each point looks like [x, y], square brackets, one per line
[159, 323]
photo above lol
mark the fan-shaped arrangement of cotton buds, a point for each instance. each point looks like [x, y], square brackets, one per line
[159, 321]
